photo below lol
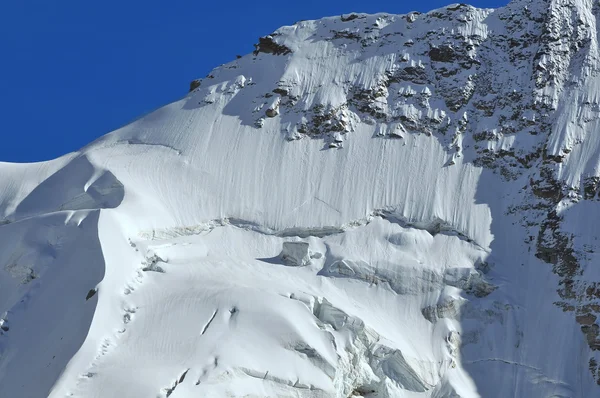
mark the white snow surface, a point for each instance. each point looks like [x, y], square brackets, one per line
[362, 207]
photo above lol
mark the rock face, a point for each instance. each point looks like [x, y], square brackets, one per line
[194, 84]
[443, 167]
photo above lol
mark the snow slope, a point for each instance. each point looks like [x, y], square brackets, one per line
[367, 205]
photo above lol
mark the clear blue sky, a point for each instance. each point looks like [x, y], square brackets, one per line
[73, 70]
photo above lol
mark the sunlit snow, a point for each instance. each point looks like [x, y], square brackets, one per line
[367, 205]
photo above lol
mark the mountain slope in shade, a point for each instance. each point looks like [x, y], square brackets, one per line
[367, 205]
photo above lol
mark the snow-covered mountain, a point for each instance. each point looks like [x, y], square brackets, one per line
[367, 205]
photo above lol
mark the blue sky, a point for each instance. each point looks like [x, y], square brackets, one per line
[74, 70]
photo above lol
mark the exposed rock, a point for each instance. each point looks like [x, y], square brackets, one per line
[272, 112]
[443, 53]
[350, 17]
[90, 294]
[590, 187]
[587, 319]
[268, 45]
[194, 84]
[273, 108]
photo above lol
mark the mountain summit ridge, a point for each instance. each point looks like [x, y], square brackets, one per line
[366, 205]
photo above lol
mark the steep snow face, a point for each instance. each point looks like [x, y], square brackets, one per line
[367, 205]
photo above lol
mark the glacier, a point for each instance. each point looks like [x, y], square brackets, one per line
[366, 205]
